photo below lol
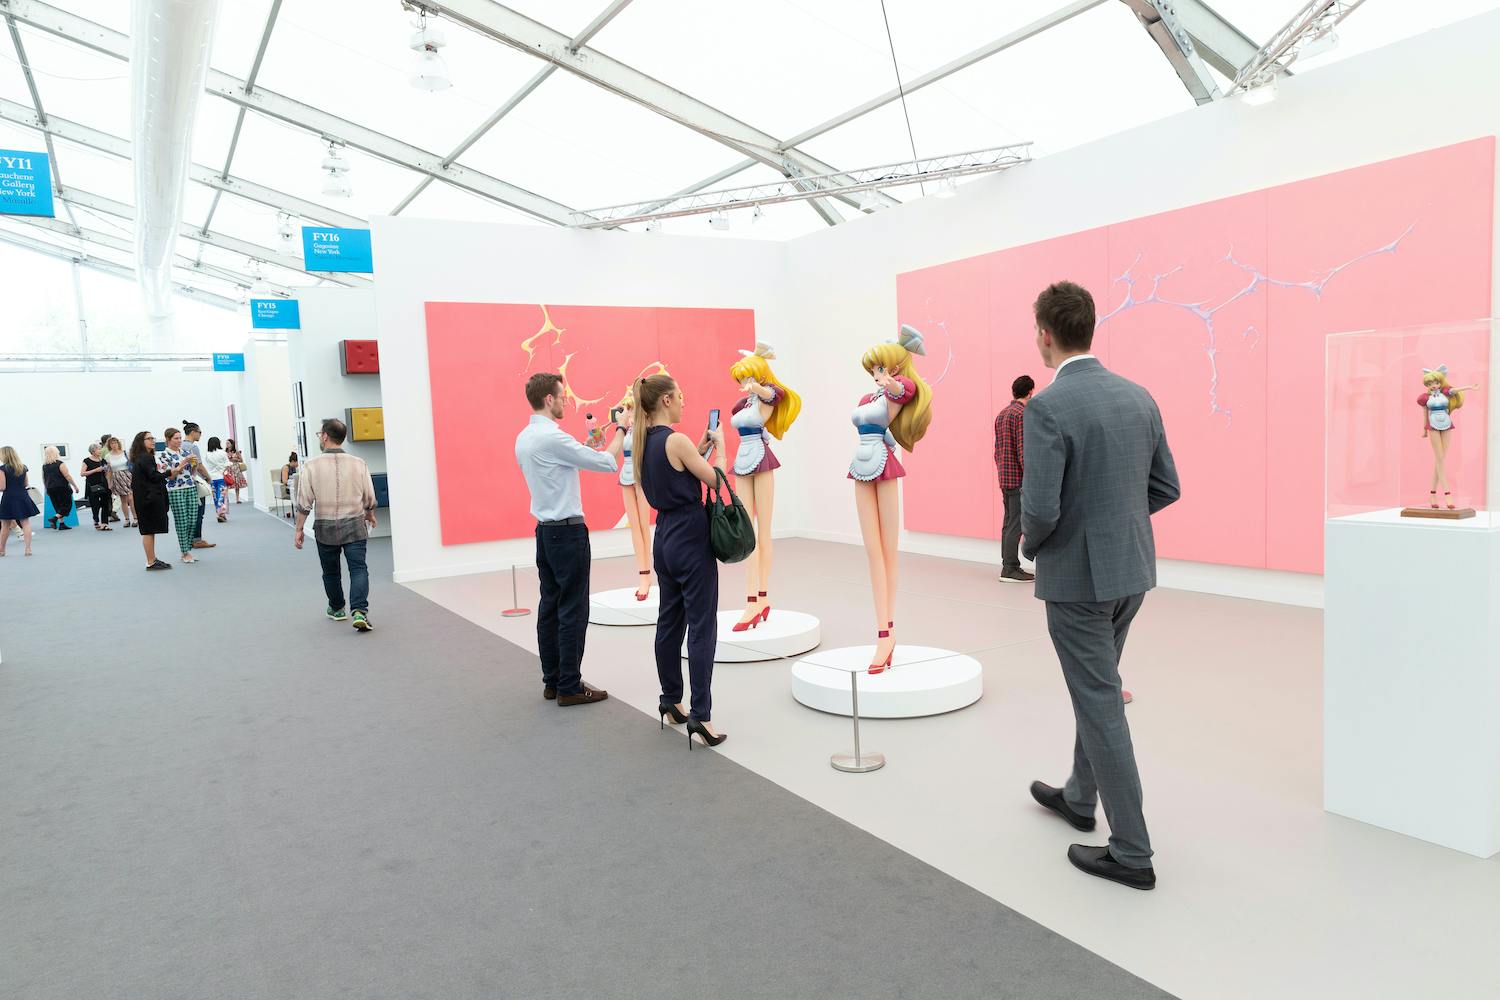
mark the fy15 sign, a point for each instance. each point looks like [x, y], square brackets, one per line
[25, 183]
[326, 249]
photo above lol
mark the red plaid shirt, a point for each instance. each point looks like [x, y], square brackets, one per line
[1009, 445]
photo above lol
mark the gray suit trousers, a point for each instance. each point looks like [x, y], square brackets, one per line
[1089, 639]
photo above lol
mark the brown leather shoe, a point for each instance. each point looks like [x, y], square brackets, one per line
[550, 693]
[201, 544]
[590, 695]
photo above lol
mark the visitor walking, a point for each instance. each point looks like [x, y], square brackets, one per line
[59, 484]
[336, 487]
[119, 478]
[550, 459]
[148, 485]
[95, 472]
[216, 463]
[235, 479]
[16, 506]
[182, 496]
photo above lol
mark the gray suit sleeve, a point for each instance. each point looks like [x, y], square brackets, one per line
[1041, 479]
[1163, 489]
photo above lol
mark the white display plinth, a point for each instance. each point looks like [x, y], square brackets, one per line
[1411, 677]
[784, 634]
[922, 681]
[619, 607]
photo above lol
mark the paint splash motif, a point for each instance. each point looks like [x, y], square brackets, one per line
[529, 344]
[569, 396]
[947, 337]
[1206, 314]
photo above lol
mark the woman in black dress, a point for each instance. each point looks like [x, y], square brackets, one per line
[16, 506]
[59, 484]
[96, 487]
[148, 486]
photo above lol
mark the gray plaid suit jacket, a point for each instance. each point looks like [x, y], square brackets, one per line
[1097, 468]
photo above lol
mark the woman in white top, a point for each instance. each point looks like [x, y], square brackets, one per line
[215, 463]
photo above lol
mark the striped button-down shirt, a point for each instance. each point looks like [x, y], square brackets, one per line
[336, 487]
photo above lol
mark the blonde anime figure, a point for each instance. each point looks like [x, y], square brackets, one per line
[896, 413]
[769, 407]
[1438, 401]
[637, 510]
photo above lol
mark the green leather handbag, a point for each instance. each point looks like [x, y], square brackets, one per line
[730, 532]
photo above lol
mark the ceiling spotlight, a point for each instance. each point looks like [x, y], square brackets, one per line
[869, 201]
[284, 231]
[336, 173]
[653, 225]
[1319, 45]
[429, 72]
[756, 214]
[1258, 94]
[258, 283]
[719, 220]
[947, 187]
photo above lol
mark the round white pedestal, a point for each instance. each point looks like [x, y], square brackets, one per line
[619, 607]
[922, 681]
[784, 634]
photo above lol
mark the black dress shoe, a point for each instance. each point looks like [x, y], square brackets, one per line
[1098, 861]
[550, 693]
[1052, 798]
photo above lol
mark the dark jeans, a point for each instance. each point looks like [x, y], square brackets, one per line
[198, 524]
[563, 556]
[1010, 534]
[99, 506]
[359, 575]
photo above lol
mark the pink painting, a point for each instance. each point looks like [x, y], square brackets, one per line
[1222, 311]
[480, 354]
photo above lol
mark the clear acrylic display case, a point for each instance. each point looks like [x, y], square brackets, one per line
[1378, 461]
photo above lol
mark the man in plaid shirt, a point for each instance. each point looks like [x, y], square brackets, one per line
[1009, 454]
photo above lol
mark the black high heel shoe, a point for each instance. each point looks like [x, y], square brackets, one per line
[708, 738]
[666, 708]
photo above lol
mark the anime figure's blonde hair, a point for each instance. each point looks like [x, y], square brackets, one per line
[896, 357]
[626, 400]
[1440, 376]
[755, 364]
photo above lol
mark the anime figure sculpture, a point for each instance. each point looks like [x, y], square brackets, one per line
[769, 407]
[637, 510]
[897, 412]
[1438, 401]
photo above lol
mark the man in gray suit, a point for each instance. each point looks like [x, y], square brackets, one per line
[1097, 468]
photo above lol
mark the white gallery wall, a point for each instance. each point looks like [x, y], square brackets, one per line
[266, 405]
[421, 261]
[330, 316]
[823, 298]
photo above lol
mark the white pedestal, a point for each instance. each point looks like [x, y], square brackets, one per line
[784, 634]
[1411, 677]
[922, 681]
[619, 607]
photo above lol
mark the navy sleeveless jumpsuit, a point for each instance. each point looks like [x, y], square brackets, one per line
[687, 577]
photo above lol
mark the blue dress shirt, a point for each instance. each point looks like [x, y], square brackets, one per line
[550, 460]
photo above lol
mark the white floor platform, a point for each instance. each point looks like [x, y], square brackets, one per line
[921, 681]
[619, 607]
[785, 634]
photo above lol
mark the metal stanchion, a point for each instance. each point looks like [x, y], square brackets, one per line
[515, 610]
[857, 763]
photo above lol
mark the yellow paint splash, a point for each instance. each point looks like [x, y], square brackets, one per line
[529, 344]
[568, 394]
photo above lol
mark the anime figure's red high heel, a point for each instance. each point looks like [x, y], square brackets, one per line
[885, 633]
[1434, 499]
[752, 623]
[640, 596]
[1451, 505]
[765, 615]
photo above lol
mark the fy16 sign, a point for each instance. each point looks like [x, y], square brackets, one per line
[326, 249]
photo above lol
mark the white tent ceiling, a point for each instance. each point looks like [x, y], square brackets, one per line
[781, 66]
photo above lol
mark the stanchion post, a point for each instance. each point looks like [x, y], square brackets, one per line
[515, 610]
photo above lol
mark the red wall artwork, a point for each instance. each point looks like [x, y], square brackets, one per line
[480, 354]
[1222, 311]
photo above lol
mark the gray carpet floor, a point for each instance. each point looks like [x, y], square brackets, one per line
[208, 790]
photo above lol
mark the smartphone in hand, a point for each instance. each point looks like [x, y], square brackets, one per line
[614, 415]
[713, 420]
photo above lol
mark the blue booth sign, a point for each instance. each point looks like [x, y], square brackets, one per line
[326, 249]
[229, 362]
[25, 183]
[275, 314]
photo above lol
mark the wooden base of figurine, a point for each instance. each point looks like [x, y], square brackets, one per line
[1441, 513]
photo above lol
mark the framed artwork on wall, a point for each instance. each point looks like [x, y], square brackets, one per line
[297, 403]
[234, 430]
[253, 452]
[301, 430]
[62, 450]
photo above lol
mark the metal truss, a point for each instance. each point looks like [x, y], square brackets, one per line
[593, 28]
[326, 126]
[850, 182]
[496, 21]
[1159, 18]
[1219, 43]
[1314, 20]
[239, 119]
[104, 142]
[109, 267]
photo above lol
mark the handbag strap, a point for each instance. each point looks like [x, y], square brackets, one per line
[713, 491]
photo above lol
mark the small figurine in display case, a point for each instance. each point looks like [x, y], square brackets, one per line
[1439, 401]
[898, 412]
[769, 407]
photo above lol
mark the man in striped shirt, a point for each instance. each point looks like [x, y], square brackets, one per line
[1009, 455]
[338, 486]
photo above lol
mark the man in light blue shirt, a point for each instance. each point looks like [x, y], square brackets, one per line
[550, 461]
